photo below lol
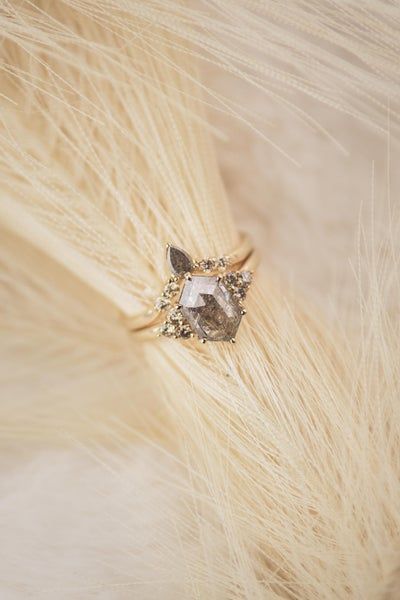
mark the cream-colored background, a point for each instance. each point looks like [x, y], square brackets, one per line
[104, 521]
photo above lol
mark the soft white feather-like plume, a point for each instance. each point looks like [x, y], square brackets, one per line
[268, 470]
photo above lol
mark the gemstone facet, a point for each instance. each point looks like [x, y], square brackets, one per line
[210, 308]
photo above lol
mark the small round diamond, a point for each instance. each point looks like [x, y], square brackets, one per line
[171, 288]
[161, 303]
[207, 264]
[230, 278]
[175, 316]
[247, 277]
[185, 332]
[166, 329]
[222, 262]
[240, 293]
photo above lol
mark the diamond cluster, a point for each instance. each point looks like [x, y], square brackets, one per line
[210, 300]
[175, 325]
[170, 290]
[238, 282]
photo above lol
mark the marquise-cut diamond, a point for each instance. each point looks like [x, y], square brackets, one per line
[210, 308]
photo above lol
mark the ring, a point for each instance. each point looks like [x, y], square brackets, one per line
[202, 298]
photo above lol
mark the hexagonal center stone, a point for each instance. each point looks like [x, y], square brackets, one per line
[210, 309]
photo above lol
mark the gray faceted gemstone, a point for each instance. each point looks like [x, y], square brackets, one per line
[178, 260]
[210, 309]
